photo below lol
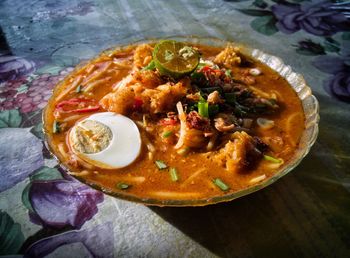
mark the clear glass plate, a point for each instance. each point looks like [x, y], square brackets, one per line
[311, 110]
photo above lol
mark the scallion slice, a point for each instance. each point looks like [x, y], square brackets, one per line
[122, 186]
[203, 109]
[219, 183]
[78, 89]
[173, 174]
[160, 164]
[166, 134]
[272, 159]
[56, 127]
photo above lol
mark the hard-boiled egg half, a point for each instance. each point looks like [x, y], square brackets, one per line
[106, 140]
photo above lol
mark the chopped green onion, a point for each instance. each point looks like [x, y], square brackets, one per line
[166, 134]
[219, 183]
[197, 76]
[173, 174]
[160, 164]
[228, 73]
[213, 110]
[78, 89]
[272, 159]
[230, 98]
[201, 99]
[209, 90]
[203, 109]
[150, 66]
[56, 127]
[201, 65]
[122, 186]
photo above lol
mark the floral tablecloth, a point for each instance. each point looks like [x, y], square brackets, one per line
[45, 212]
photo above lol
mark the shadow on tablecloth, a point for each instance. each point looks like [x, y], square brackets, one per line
[304, 214]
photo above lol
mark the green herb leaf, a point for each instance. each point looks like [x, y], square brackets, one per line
[331, 45]
[228, 73]
[260, 3]
[272, 159]
[25, 198]
[37, 130]
[173, 174]
[56, 127]
[255, 12]
[11, 235]
[10, 118]
[219, 183]
[160, 164]
[265, 25]
[45, 174]
[122, 186]
[166, 134]
[230, 98]
[150, 66]
[345, 36]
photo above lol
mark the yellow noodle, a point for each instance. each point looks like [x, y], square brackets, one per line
[289, 122]
[81, 173]
[148, 143]
[89, 87]
[279, 96]
[191, 177]
[90, 69]
[98, 73]
[83, 163]
[72, 118]
[257, 179]
[122, 66]
[260, 92]
[174, 195]
[62, 150]
[74, 84]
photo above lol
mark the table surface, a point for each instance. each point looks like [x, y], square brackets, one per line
[46, 213]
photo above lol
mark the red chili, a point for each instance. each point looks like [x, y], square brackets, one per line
[138, 102]
[168, 121]
[86, 105]
[72, 102]
[83, 110]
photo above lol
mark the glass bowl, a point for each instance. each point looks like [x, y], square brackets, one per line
[308, 138]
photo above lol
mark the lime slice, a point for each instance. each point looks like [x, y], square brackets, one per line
[174, 58]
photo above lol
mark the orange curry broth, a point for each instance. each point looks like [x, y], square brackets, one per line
[201, 186]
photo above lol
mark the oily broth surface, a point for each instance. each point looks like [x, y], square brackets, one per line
[156, 180]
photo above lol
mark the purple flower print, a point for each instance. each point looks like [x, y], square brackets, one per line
[314, 17]
[12, 67]
[96, 242]
[338, 85]
[62, 202]
[20, 155]
[35, 94]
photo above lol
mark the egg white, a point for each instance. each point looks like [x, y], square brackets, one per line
[124, 147]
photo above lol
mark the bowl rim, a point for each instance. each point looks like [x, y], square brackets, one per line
[257, 54]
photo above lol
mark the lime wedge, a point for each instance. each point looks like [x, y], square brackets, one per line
[174, 58]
